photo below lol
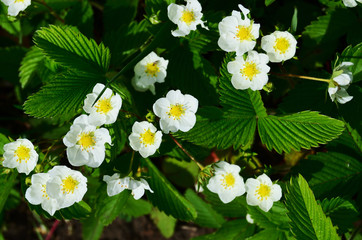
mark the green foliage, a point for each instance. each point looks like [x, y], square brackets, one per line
[81, 16]
[354, 55]
[78, 210]
[166, 224]
[181, 173]
[136, 208]
[307, 218]
[233, 230]
[206, 216]
[10, 62]
[342, 213]
[165, 196]
[300, 130]
[276, 218]
[331, 174]
[68, 47]
[118, 13]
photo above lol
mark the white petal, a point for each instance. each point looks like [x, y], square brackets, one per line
[266, 205]
[276, 192]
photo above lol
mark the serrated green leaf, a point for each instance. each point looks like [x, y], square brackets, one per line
[68, 47]
[331, 174]
[181, 173]
[78, 210]
[235, 208]
[342, 213]
[275, 218]
[300, 130]
[166, 224]
[271, 234]
[307, 218]
[165, 196]
[30, 64]
[136, 208]
[63, 97]
[235, 124]
[206, 216]
[354, 55]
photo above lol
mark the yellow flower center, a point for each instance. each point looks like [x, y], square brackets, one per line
[43, 189]
[86, 140]
[188, 17]
[228, 181]
[69, 184]
[281, 45]
[249, 70]
[244, 33]
[176, 111]
[104, 105]
[263, 191]
[18, 1]
[148, 137]
[152, 69]
[23, 153]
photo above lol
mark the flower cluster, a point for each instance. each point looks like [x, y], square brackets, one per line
[16, 6]
[186, 17]
[148, 71]
[340, 81]
[116, 185]
[61, 187]
[228, 184]
[238, 34]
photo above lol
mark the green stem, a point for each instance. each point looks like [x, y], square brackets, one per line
[289, 75]
[131, 163]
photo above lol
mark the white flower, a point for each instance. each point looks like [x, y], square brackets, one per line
[20, 155]
[66, 185]
[340, 81]
[145, 138]
[116, 185]
[15, 6]
[249, 219]
[186, 17]
[36, 194]
[351, 3]
[262, 192]
[226, 182]
[176, 111]
[251, 72]
[148, 71]
[138, 188]
[279, 46]
[85, 143]
[238, 34]
[105, 110]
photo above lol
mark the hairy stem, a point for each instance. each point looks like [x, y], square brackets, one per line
[289, 75]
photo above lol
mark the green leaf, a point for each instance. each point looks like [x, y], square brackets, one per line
[78, 210]
[165, 196]
[331, 174]
[63, 97]
[307, 218]
[300, 130]
[235, 124]
[7, 181]
[206, 216]
[181, 173]
[235, 208]
[354, 55]
[32, 61]
[271, 234]
[342, 213]
[166, 224]
[136, 208]
[118, 13]
[68, 47]
[275, 218]
[81, 16]
[12, 27]
[233, 230]
[268, 2]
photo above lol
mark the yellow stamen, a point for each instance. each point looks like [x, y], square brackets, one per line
[104, 105]
[281, 45]
[249, 70]
[86, 140]
[228, 181]
[152, 69]
[148, 137]
[188, 17]
[69, 184]
[43, 189]
[23, 153]
[244, 33]
[176, 111]
[263, 191]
